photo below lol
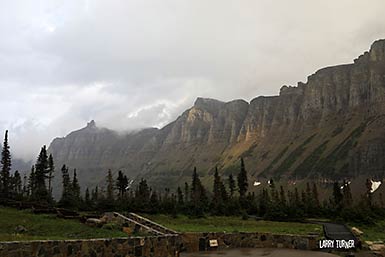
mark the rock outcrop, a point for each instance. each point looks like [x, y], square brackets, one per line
[329, 127]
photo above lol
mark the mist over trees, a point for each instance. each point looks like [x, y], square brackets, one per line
[228, 196]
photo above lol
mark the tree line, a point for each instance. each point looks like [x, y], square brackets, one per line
[229, 196]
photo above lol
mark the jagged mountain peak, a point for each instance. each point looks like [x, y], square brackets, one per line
[378, 44]
[208, 103]
[91, 124]
[293, 134]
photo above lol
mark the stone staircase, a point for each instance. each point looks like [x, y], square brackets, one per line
[140, 223]
[149, 223]
[133, 225]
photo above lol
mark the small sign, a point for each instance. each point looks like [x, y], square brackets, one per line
[213, 243]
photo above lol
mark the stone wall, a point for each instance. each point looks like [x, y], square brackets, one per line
[161, 246]
[193, 242]
[154, 246]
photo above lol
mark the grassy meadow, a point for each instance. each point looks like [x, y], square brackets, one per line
[47, 226]
[233, 224]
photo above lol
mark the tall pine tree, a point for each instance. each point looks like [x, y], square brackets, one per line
[51, 170]
[66, 198]
[16, 185]
[242, 180]
[110, 187]
[231, 185]
[219, 195]
[75, 188]
[121, 184]
[5, 172]
[32, 184]
[41, 174]
[242, 185]
[337, 195]
[198, 196]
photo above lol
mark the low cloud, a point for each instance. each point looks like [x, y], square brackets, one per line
[140, 63]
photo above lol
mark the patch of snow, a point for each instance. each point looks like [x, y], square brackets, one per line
[344, 185]
[129, 184]
[375, 185]
[257, 183]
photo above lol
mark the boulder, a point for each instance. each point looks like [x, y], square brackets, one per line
[357, 232]
[94, 222]
[20, 229]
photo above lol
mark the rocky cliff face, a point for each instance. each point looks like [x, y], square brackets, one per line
[329, 127]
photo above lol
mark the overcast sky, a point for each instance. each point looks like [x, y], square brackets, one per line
[139, 63]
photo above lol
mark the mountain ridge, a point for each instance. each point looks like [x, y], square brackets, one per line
[311, 121]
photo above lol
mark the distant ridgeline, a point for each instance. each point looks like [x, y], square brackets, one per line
[331, 127]
[316, 150]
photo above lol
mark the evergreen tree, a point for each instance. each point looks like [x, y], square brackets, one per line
[224, 194]
[304, 201]
[25, 186]
[217, 186]
[198, 196]
[219, 195]
[297, 198]
[180, 197]
[337, 195]
[121, 184]
[17, 185]
[107, 202]
[32, 183]
[242, 180]
[154, 200]
[95, 195]
[347, 195]
[282, 197]
[75, 191]
[231, 185]
[142, 196]
[88, 204]
[66, 198]
[264, 203]
[274, 193]
[252, 206]
[186, 193]
[110, 187]
[315, 196]
[309, 201]
[5, 172]
[41, 174]
[51, 170]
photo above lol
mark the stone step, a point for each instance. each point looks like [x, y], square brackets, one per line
[131, 221]
[151, 223]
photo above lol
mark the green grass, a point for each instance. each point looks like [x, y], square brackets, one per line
[372, 232]
[44, 226]
[233, 224]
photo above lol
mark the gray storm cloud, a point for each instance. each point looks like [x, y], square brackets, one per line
[140, 63]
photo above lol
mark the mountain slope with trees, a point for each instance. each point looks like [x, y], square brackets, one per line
[329, 128]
